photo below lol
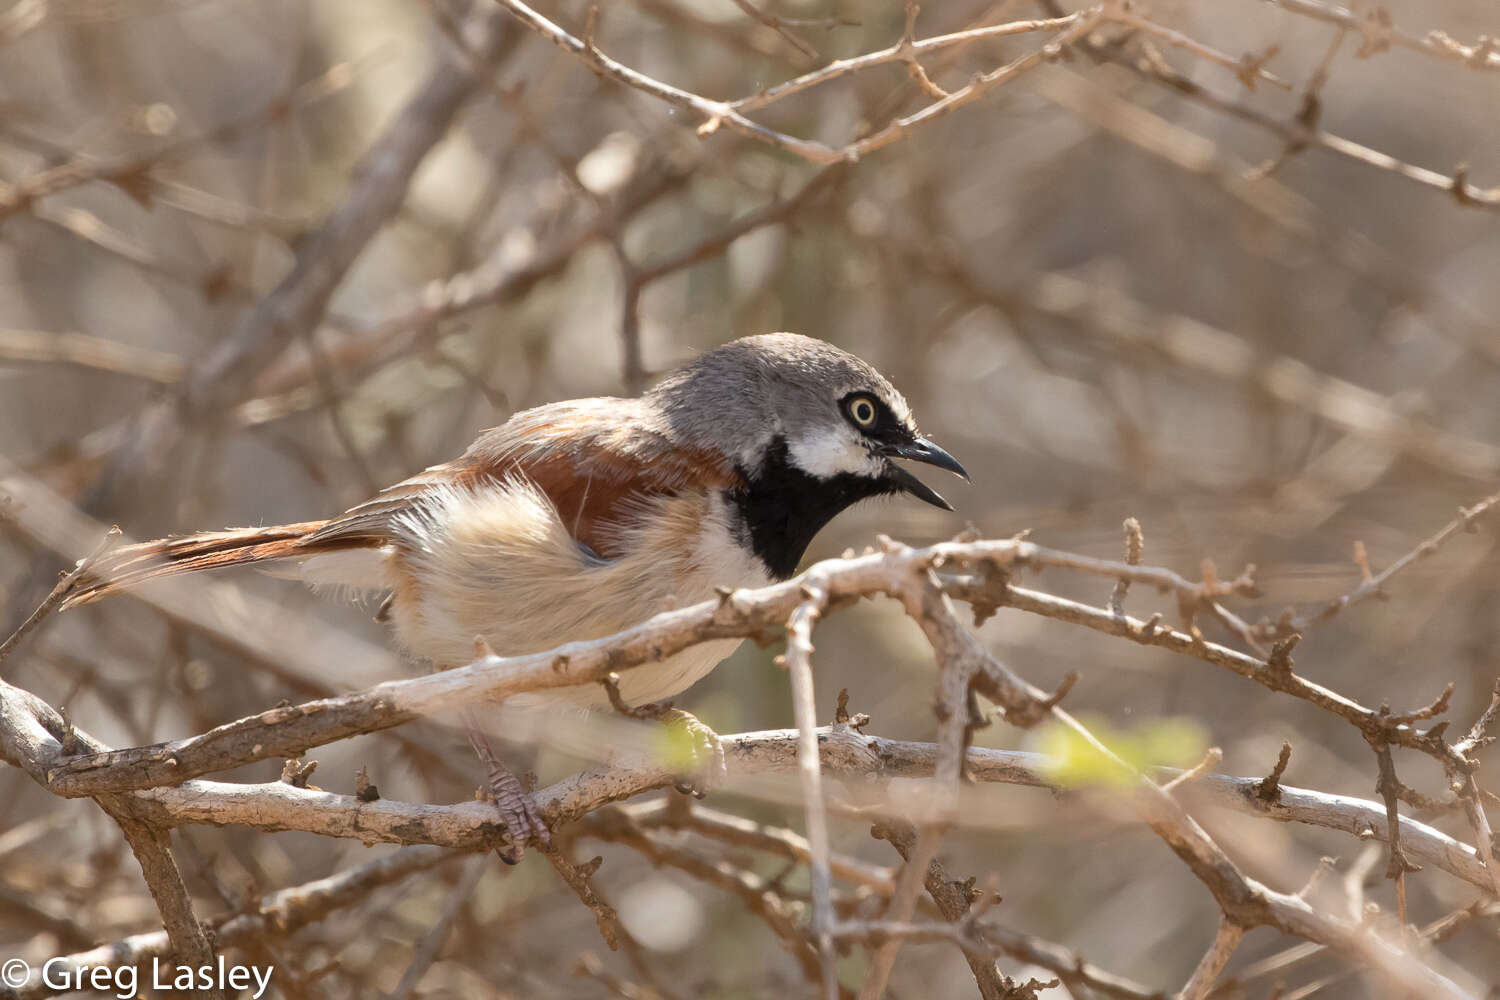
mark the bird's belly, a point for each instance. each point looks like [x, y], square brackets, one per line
[504, 568]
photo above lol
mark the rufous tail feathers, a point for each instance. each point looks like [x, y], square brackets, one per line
[134, 564]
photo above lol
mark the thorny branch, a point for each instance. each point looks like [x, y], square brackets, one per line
[301, 298]
[151, 789]
[279, 913]
[160, 781]
[1075, 27]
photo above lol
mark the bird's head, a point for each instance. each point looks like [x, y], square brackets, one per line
[811, 428]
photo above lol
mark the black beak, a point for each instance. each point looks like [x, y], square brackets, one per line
[924, 451]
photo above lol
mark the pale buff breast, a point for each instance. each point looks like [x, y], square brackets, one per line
[498, 562]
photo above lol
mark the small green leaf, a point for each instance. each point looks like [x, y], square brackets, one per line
[1074, 762]
[675, 748]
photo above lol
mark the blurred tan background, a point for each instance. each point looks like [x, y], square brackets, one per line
[1107, 296]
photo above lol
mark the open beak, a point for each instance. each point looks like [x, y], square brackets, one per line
[924, 451]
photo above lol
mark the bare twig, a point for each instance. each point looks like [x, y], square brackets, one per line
[1226, 939]
[1135, 545]
[111, 539]
[799, 650]
[279, 913]
[299, 301]
[1373, 584]
[96, 353]
[952, 902]
[153, 850]
[1379, 34]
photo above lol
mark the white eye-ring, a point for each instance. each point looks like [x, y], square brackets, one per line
[862, 411]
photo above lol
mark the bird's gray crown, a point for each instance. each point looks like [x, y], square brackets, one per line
[738, 397]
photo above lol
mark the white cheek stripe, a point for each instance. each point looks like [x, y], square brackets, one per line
[829, 453]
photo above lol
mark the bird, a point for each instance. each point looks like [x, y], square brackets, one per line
[578, 519]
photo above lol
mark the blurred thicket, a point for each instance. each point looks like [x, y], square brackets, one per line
[1110, 292]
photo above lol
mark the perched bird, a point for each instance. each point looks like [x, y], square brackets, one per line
[578, 519]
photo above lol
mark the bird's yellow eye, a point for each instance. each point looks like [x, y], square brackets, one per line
[862, 411]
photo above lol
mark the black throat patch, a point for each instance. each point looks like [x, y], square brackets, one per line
[783, 507]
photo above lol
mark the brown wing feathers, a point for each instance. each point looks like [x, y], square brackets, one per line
[597, 460]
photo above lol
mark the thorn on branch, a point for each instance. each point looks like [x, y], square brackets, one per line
[1479, 736]
[1251, 65]
[1210, 570]
[1485, 48]
[590, 26]
[1375, 31]
[1325, 865]
[296, 773]
[983, 611]
[1135, 547]
[1268, 789]
[70, 733]
[1187, 610]
[1285, 624]
[996, 588]
[1135, 541]
[1029, 990]
[1309, 114]
[1459, 187]
[650, 711]
[1210, 760]
[970, 533]
[577, 877]
[1362, 560]
[907, 49]
[841, 716]
[1438, 706]
[1028, 715]
[364, 788]
[1280, 662]
[1061, 692]
[977, 717]
[1401, 865]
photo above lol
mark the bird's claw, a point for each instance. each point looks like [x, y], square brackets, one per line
[691, 746]
[695, 744]
[519, 814]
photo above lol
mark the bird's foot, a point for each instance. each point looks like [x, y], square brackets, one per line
[519, 813]
[693, 743]
[693, 748]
